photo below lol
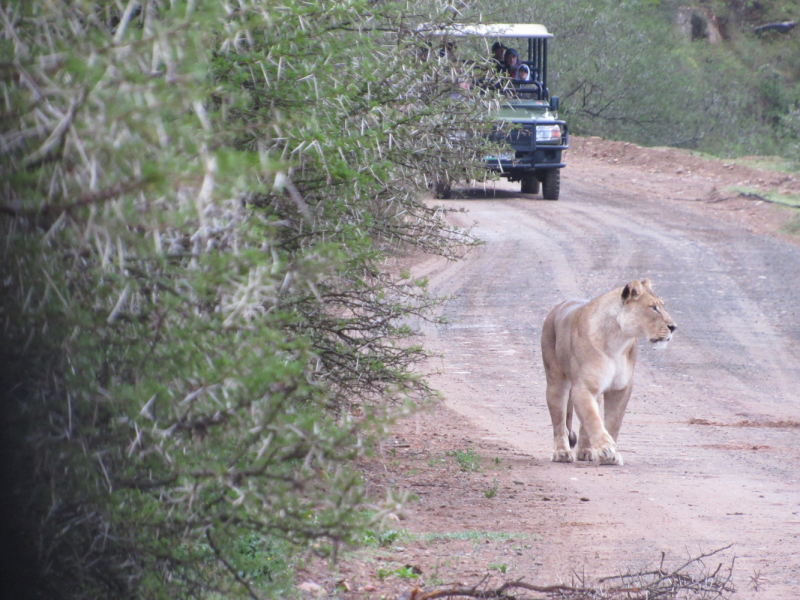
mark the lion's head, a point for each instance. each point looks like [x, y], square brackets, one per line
[644, 315]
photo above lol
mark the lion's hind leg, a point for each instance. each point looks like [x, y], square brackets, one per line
[616, 402]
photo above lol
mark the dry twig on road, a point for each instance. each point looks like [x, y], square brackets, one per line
[693, 580]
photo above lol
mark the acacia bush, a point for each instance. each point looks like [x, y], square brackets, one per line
[200, 329]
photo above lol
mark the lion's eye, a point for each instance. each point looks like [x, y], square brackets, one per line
[655, 308]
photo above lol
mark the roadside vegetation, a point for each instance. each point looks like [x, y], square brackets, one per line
[203, 327]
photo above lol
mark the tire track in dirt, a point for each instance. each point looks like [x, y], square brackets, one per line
[735, 357]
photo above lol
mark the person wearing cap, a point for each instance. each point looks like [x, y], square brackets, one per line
[499, 52]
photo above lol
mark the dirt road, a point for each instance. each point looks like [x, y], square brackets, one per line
[711, 439]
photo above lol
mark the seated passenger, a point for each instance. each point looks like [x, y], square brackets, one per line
[499, 59]
[463, 82]
[523, 73]
[512, 61]
[448, 50]
[527, 88]
[424, 52]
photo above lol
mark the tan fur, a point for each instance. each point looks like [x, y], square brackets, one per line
[589, 351]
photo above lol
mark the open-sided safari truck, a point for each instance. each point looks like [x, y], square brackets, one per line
[528, 117]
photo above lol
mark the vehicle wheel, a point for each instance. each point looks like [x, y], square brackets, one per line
[443, 190]
[551, 184]
[530, 185]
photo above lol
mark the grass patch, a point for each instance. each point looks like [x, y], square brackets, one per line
[793, 226]
[437, 462]
[471, 535]
[391, 537]
[405, 572]
[384, 539]
[491, 492]
[468, 460]
[766, 163]
[776, 164]
[502, 567]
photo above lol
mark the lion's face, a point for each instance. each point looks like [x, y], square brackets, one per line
[644, 314]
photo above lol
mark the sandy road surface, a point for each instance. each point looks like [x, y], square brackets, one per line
[734, 362]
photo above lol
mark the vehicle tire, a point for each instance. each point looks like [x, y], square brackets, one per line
[443, 190]
[530, 185]
[551, 184]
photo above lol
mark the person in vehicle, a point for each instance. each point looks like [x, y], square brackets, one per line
[512, 61]
[524, 83]
[424, 52]
[448, 49]
[499, 56]
[463, 81]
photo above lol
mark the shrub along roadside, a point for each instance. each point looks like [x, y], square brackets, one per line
[199, 335]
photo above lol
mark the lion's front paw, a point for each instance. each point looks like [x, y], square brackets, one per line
[585, 454]
[562, 456]
[609, 457]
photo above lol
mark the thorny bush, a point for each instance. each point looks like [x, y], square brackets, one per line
[201, 331]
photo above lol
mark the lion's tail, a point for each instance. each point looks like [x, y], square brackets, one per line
[573, 437]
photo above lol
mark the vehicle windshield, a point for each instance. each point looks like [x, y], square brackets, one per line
[522, 109]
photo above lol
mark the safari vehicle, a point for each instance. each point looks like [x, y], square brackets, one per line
[528, 117]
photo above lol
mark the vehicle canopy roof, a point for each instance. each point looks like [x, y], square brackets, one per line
[499, 30]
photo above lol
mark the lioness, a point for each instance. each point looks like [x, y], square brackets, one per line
[589, 349]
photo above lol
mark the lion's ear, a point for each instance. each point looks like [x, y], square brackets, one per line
[646, 283]
[632, 291]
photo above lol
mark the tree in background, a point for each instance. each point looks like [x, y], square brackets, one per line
[200, 329]
[624, 71]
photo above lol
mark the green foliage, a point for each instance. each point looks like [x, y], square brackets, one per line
[491, 492]
[437, 461]
[404, 572]
[467, 460]
[626, 71]
[407, 572]
[383, 539]
[475, 535]
[200, 331]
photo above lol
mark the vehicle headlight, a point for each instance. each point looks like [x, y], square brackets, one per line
[548, 133]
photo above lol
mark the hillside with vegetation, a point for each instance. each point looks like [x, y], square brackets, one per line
[202, 328]
[670, 73]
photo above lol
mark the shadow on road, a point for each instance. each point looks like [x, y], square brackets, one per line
[488, 193]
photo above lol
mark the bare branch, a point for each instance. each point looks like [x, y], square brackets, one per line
[693, 580]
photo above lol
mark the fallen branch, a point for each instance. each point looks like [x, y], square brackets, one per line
[750, 196]
[784, 27]
[692, 580]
